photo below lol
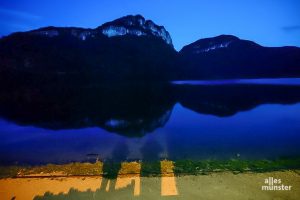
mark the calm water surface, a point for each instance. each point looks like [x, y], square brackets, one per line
[177, 121]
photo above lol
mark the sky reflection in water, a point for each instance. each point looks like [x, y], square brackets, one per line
[268, 131]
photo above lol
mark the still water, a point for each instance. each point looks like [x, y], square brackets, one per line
[185, 120]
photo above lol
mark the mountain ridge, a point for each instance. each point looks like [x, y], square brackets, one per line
[116, 50]
[228, 56]
[135, 25]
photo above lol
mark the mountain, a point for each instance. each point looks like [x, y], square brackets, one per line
[132, 48]
[128, 25]
[227, 56]
[129, 48]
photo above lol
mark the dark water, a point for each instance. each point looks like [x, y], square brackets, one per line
[254, 119]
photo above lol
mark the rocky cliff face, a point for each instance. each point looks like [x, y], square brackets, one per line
[211, 44]
[134, 25]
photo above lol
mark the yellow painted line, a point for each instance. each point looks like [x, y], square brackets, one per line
[168, 180]
[129, 173]
[107, 186]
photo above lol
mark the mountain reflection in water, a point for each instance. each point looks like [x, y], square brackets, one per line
[128, 109]
[76, 121]
[134, 109]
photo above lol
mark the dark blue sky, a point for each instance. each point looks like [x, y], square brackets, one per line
[267, 22]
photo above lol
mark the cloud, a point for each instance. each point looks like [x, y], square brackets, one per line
[19, 14]
[15, 20]
[291, 28]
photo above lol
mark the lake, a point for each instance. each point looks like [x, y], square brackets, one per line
[248, 119]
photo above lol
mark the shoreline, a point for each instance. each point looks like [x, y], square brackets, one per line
[150, 169]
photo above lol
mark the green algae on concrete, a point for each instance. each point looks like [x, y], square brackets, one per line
[234, 165]
[181, 167]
